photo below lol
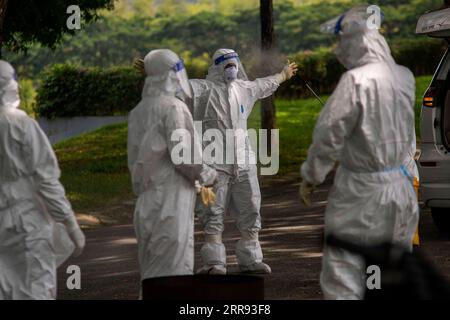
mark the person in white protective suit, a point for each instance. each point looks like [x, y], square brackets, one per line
[164, 213]
[223, 102]
[38, 229]
[367, 126]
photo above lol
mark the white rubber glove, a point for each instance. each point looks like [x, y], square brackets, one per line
[305, 192]
[198, 187]
[289, 70]
[76, 235]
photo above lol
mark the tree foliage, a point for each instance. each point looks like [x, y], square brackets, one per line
[44, 22]
[198, 28]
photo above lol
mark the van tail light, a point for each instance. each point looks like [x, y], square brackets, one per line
[429, 99]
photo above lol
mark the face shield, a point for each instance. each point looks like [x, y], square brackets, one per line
[184, 89]
[166, 74]
[226, 67]
[332, 26]
[351, 29]
[356, 20]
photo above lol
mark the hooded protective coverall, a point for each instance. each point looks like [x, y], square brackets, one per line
[38, 229]
[368, 127]
[222, 104]
[163, 217]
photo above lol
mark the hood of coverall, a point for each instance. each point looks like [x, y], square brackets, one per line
[9, 87]
[360, 43]
[165, 74]
[220, 60]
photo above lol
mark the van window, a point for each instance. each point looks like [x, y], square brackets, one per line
[445, 67]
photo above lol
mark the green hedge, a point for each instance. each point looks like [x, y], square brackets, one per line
[319, 68]
[322, 71]
[69, 90]
[421, 55]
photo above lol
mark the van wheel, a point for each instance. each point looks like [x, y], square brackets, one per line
[441, 219]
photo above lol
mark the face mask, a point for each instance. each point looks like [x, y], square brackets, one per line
[230, 74]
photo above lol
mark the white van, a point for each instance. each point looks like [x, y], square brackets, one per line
[434, 159]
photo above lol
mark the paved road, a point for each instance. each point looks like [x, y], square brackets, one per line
[291, 239]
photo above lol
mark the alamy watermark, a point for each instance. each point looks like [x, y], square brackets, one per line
[234, 147]
[73, 282]
[373, 281]
[73, 22]
[374, 20]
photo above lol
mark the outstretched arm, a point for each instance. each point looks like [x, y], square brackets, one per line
[263, 87]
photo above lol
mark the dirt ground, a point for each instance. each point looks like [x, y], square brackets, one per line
[291, 239]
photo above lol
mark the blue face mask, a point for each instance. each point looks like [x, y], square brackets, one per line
[230, 74]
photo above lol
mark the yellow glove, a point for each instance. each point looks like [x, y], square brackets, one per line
[208, 196]
[139, 66]
[416, 185]
[305, 192]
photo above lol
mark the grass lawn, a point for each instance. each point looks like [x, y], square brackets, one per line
[94, 165]
[94, 168]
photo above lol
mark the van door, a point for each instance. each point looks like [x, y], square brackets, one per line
[435, 116]
[435, 24]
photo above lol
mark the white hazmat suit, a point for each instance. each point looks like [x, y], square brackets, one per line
[223, 102]
[367, 126]
[38, 229]
[164, 213]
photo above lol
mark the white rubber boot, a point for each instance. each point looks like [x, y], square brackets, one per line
[213, 256]
[249, 255]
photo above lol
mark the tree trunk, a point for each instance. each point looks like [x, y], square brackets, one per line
[268, 116]
[3, 6]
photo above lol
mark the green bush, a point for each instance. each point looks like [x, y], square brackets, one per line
[322, 71]
[27, 95]
[319, 68]
[196, 67]
[69, 90]
[421, 55]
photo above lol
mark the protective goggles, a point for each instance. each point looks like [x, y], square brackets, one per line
[227, 56]
[338, 26]
[178, 66]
